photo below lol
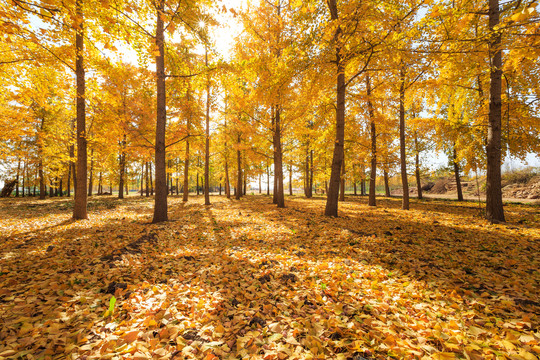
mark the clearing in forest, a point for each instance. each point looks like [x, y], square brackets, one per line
[242, 279]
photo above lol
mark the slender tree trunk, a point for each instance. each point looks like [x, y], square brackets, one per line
[197, 183]
[227, 179]
[151, 180]
[402, 154]
[23, 177]
[386, 184]
[60, 189]
[260, 184]
[207, 143]
[79, 208]
[373, 132]
[267, 179]
[42, 189]
[354, 187]
[290, 180]
[245, 176]
[160, 200]
[100, 185]
[238, 190]
[456, 173]
[177, 177]
[337, 158]
[91, 175]
[121, 178]
[147, 182]
[306, 176]
[417, 166]
[142, 178]
[278, 159]
[17, 179]
[494, 204]
[310, 187]
[342, 180]
[186, 158]
[69, 180]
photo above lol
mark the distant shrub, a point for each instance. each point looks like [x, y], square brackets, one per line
[522, 176]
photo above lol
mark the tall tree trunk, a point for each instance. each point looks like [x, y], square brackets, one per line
[260, 184]
[60, 189]
[186, 158]
[245, 176]
[151, 180]
[100, 184]
[337, 158]
[142, 179]
[417, 166]
[69, 179]
[310, 187]
[238, 189]
[91, 175]
[386, 184]
[23, 177]
[494, 204]
[456, 173]
[290, 180]
[342, 180]
[373, 132]
[227, 179]
[177, 177]
[79, 208]
[197, 183]
[147, 182]
[278, 159]
[17, 179]
[207, 143]
[42, 189]
[121, 178]
[306, 176]
[402, 154]
[267, 179]
[160, 200]
[354, 187]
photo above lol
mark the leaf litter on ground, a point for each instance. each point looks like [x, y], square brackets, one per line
[243, 279]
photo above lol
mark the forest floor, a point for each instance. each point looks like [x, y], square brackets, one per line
[243, 279]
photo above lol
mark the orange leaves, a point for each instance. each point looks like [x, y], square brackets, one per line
[253, 288]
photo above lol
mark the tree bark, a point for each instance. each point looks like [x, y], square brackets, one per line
[337, 158]
[494, 204]
[290, 180]
[147, 181]
[342, 180]
[227, 179]
[402, 153]
[122, 170]
[100, 184]
[386, 185]
[91, 174]
[373, 132]
[238, 190]
[207, 143]
[142, 179]
[267, 179]
[186, 158]
[417, 166]
[151, 180]
[456, 173]
[80, 206]
[42, 188]
[278, 160]
[17, 179]
[160, 200]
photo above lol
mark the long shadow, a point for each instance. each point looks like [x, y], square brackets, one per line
[247, 275]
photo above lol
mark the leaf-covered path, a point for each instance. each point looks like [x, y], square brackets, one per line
[242, 279]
